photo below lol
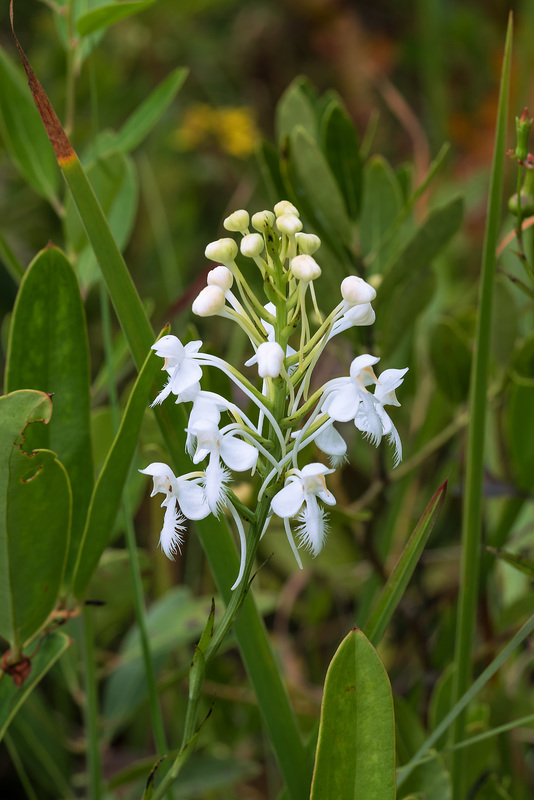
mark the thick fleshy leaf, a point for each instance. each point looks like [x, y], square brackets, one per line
[106, 15]
[48, 350]
[23, 134]
[12, 696]
[106, 497]
[35, 510]
[295, 108]
[356, 747]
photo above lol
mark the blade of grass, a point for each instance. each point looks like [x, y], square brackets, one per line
[399, 578]
[216, 540]
[472, 508]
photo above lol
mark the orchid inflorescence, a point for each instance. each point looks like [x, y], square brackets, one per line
[286, 418]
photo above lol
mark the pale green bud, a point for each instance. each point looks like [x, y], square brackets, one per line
[288, 224]
[223, 250]
[262, 220]
[252, 245]
[285, 207]
[237, 222]
[308, 243]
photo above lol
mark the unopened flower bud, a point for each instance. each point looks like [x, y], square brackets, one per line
[252, 245]
[308, 243]
[262, 220]
[361, 314]
[270, 358]
[285, 207]
[223, 250]
[523, 125]
[238, 221]
[355, 290]
[288, 224]
[210, 301]
[221, 277]
[305, 268]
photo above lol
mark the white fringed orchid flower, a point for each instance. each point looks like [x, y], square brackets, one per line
[304, 487]
[180, 364]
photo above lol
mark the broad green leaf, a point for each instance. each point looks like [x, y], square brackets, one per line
[403, 570]
[356, 746]
[342, 150]
[450, 356]
[11, 696]
[149, 113]
[407, 300]
[48, 350]
[23, 133]
[521, 563]
[319, 185]
[35, 510]
[425, 244]
[381, 205]
[107, 493]
[106, 15]
[295, 108]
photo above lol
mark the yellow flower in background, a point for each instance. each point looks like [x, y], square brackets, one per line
[232, 129]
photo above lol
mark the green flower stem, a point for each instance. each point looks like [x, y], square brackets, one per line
[472, 508]
[137, 583]
[219, 635]
[94, 769]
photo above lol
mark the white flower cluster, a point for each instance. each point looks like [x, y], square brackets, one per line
[285, 420]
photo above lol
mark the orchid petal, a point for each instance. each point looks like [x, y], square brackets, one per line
[288, 501]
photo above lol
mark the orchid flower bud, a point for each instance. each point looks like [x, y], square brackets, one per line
[262, 220]
[223, 250]
[221, 277]
[355, 290]
[237, 222]
[252, 245]
[308, 243]
[289, 224]
[209, 302]
[305, 268]
[270, 359]
[285, 207]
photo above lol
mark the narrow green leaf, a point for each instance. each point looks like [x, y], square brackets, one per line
[149, 113]
[295, 108]
[403, 570]
[48, 350]
[524, 565]
[356, 747]
[11, 696]
[342, 150]
[106, 497]
[319, 185]
[106, 15]
[23, 135]
[35, 510]
[474, 476]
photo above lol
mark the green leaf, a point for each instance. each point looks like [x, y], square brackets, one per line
[405, 303]
[398, 580]
[149, 113]
[450, 356]
[356, 747]
[381, 205]
[48, 350]
[11, 696]
[106, 497]
[318, 185]
[342, 150]
[524, 565]
[106, 15]
[430, 779]
[35, 509]
[425, 244]
[23, 133]
[295, 108]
